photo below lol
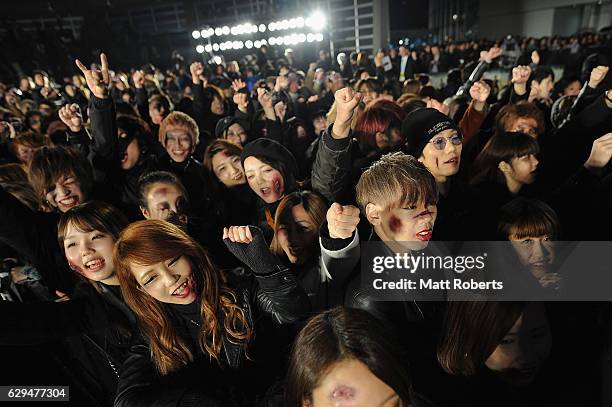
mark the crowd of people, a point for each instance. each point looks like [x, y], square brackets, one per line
[192, 236]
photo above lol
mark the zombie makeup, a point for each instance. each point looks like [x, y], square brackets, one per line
[265, 181]
[65, 194]
[90, 254]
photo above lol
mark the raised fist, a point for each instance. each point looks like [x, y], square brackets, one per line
[241, 100]
[98, 81]
[601, 152]
[521, 74]
[342, 221]
[71, 116]
[346, 103]
[265, 98]
[598, 74]
[196, 69]
[480, 92]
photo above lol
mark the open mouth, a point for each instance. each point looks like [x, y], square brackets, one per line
[124, 158]
[183, 290]
[454, 160]
[295, 251]
[424, 235]
[95, 265]
[179, 152]
[69, 202]
[266, 191]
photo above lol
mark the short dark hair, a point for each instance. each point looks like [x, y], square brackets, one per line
[341, 334]
[147, 180]
[542, 72]
[160, 101]
[523, 217]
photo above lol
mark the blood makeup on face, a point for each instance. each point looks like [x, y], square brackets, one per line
[395, 224]
[342, 393]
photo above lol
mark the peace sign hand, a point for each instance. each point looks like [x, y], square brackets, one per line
[97, 81]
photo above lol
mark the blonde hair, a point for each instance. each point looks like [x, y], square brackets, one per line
[396, 180]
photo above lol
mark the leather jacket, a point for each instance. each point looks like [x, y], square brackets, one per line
[276, 297]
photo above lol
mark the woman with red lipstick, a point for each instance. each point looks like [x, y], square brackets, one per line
[199, 324]
[94, 326]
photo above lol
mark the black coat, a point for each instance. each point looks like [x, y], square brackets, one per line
[273, 298]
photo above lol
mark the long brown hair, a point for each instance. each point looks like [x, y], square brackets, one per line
[149, 242]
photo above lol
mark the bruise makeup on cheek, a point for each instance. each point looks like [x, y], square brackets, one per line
[276, 184]
[395, 224]
[342, 394]
[76, 268]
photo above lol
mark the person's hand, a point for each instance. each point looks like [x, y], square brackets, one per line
[313, 98]
[414, 55]
[535, 57]
[342, 221]
[138, 78]
[440, 107]
[550, 281]
[247, 243]
[264, 98]
[480, 92]
[242, 101]
[196, 69]
[312, 66]
[45, 92]
[520, 76]
[98, 82]
[378, 59]
[598, 74]
[282, 82]
[280, 109]
[346, 103]
[71, 116]
[601, 152]
[238, 85]
[491, 54]
[7, 132]
[238, 234]
[61, 297]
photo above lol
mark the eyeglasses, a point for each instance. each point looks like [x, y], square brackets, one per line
[440, 142]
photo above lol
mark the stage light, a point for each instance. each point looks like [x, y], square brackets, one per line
[218, 31]
[225, 30]
[222, 47]
[401, 42]
[216, 47]
[271, 26]
[272, 40]
[280, 40]
[217, 59]
[210, 32]
[208, 48]
[248, 44]
[292, 23]
[316, 21]
[284, 24]
[200, 49]
[262, 28]
[237, 44]
[299, 22]
[257, 44]
[204, 33]
[319, 37]
[195, 34]
[302, 37]
[234, 30]
[310, 37]
[263, 41]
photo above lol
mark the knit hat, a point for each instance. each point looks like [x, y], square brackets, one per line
[273, 150]
[226, 123]
[421, 126]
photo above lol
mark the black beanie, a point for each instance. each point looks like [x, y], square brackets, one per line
[226, 122]
[421, 126]
[273, 150]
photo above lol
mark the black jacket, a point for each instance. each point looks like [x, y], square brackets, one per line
[272, 298]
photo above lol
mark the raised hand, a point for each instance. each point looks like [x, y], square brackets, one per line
[242, 101]
[520, 76]
[138, 78]
[342, 220]
[71, 116]
[313, 98]
[196, 69]
[535, 57]
[480, 92]
[312, 66]
[346, 103]
[282, 82]
[280, 109]
[98, 81]
[598, 74]
[601, 152]
[440, 107]
[491, 54]
[265, 98]
[238, 234]
[378, 59]
[238, 85]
